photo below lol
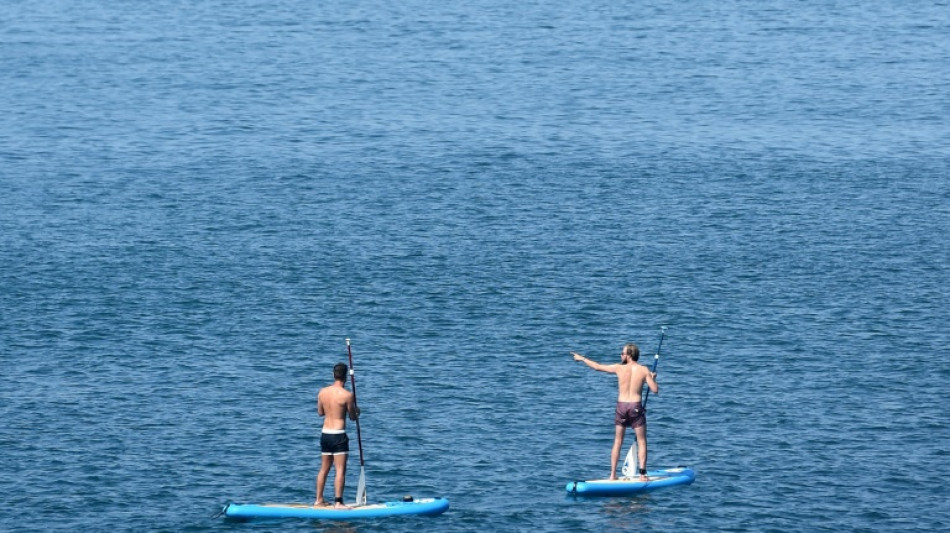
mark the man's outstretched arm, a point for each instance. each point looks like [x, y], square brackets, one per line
[593, 364]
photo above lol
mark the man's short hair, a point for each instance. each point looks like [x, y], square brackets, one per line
[339, 371]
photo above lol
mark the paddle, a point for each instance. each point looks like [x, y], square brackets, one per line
[656, 359]
[361, 486]
[629, 462]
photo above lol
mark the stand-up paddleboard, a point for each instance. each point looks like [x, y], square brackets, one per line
[626, 486]
[421, 506]
[407, 506]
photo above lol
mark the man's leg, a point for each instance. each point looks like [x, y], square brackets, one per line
[326, 461]
[641, 433]
[615, 452]
[339, 463]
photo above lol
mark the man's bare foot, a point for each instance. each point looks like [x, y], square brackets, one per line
[613, 477]
[644, 478]
[319, 503]
[339, 505]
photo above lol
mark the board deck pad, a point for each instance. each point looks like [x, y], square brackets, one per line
[624, 486]
[421, 506]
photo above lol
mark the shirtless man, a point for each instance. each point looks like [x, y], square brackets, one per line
[630, 413]
[334, 403]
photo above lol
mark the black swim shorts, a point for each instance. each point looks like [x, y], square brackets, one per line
[334, 443]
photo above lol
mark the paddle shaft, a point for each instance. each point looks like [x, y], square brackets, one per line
[359, 438]
[656, 359]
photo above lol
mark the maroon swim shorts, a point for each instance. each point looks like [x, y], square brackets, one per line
[630, 414]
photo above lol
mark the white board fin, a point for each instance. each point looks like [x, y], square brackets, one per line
[630, 463]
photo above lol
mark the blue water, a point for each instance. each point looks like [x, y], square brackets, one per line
[199, 201]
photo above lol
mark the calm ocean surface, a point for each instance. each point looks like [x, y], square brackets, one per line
[199, 201]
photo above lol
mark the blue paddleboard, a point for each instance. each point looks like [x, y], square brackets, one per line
[421, 506]
[625, 486]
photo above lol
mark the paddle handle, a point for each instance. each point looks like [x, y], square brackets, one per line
[359, 437]
[656, 359]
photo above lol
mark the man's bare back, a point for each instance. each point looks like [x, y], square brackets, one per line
[630, 380]
[335, 403]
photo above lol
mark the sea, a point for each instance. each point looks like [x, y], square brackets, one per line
[200, 201]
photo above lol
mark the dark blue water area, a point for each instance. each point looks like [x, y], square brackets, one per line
[200, 201]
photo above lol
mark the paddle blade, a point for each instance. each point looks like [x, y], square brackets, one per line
[630, 463]
[361, 488]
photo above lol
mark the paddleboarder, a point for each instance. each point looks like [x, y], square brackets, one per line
[630, 412]
[335, 403]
